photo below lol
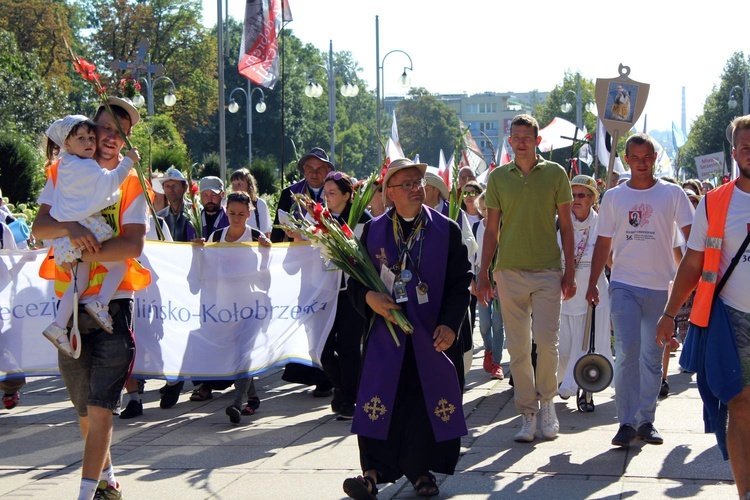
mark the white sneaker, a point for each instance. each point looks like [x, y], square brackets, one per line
[528, 429]
[550, 426]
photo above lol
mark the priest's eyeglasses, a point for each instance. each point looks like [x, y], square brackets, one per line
[408, 186]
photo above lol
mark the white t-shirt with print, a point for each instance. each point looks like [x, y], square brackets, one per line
[734, 293]
[641, 225]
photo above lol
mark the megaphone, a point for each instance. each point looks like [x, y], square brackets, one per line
[593, 372]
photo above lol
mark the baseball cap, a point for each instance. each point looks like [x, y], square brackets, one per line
[211, 183]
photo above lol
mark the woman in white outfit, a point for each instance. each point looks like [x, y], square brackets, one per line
[573, 311]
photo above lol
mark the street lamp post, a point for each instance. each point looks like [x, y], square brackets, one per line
[315, 90]
[403, 80]
[732, 103]
[169, 99]
[260, 108]
[565, 107]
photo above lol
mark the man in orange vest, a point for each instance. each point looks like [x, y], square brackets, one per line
[637, 222]
[95, 380]
[722, 221]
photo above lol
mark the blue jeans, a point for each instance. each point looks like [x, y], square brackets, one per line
[635, 311]
[492, 330]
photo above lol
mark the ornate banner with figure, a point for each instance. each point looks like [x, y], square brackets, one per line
[211, 312]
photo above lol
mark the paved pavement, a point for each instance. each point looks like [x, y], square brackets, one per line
[294, 448]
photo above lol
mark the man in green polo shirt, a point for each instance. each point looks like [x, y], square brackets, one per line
[527, 193]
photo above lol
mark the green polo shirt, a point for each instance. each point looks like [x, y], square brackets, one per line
[528, 236]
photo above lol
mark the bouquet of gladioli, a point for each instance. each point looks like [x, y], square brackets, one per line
[194, 210]
[339, 246]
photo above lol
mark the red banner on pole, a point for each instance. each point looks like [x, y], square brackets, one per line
[259, 50]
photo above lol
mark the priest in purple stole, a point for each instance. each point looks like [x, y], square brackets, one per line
[409, 416]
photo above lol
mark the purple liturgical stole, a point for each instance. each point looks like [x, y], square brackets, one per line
[301, 187]
[382, 364]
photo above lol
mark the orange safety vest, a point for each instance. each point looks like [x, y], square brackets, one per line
[136, 276]
[717, 218]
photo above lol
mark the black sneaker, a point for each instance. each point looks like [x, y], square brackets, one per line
[134, 409]
[234, 413]
[648, 433]
[346, 412]
[171, 395]
[664, 388]
[624, 436]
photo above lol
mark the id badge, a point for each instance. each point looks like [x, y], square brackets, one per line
[387, 276]
[399, 292]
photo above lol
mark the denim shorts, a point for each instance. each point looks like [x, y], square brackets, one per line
[98, 376]
[741, 326]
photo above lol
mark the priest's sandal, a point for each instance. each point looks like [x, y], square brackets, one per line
[361, 488]
[426, 486]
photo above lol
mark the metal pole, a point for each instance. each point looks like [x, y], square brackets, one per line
[745, 97]
[222, 111]
[579, 116]
[249, 127]
[377, 85]
[150, 90]
[331, 96]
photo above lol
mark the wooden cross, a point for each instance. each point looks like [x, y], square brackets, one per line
[139, 64]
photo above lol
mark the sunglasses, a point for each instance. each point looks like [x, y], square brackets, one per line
[334, 175]
[470, 194]
[581, 196]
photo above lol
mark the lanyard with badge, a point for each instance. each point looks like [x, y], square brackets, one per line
[402, 275]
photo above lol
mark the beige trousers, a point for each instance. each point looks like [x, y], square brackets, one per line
[524, 294]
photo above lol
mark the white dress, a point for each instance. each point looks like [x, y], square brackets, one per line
[573, 311]
[84, 188]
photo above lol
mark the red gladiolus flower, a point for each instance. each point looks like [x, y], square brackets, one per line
[317, 211]
[86, 69]
[347, 232]
[384, 169]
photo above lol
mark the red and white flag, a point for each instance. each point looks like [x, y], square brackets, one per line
[259, 50]
[446, 171]
[504, 155]
[394, 137]
[392, 150]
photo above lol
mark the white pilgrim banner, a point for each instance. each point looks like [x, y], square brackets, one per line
[211, 312]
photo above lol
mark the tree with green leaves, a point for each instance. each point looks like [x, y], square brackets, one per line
[177, 40]
[29, 103]
[550, 108]
[708, 133]
[426, 125]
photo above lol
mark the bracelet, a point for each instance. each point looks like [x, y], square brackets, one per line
[668, 315]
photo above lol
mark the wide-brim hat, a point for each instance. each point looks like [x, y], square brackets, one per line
[128, 106]
[395, 166]
[587, 182]
[318, 153]
[433, 179]
[172, 174]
